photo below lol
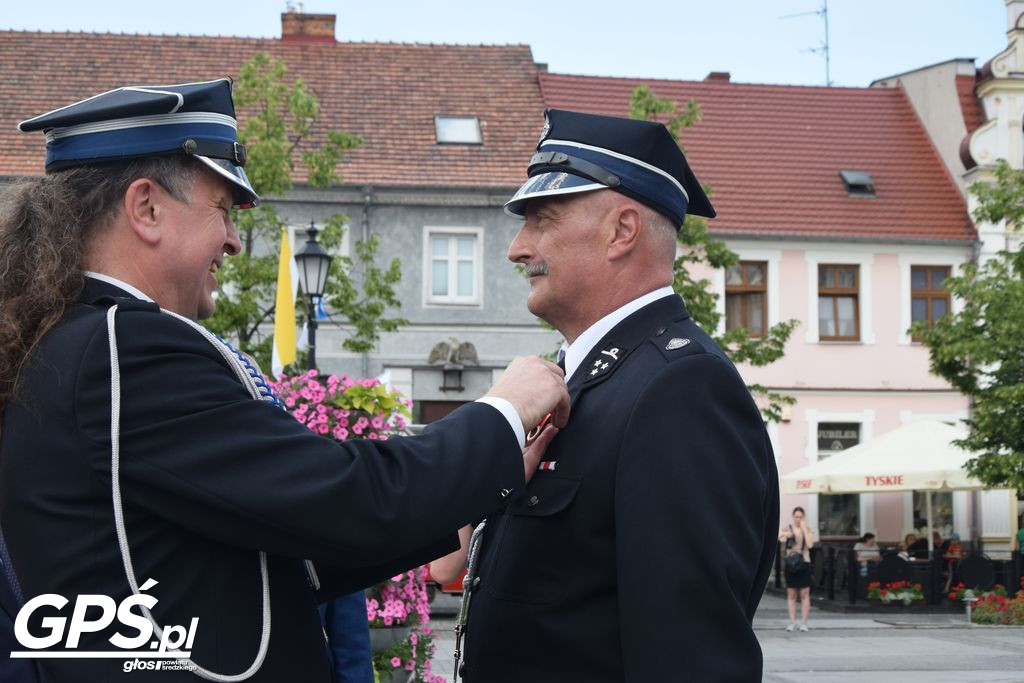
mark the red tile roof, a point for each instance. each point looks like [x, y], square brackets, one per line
[970, 105]
[386, 93]
[772, 155]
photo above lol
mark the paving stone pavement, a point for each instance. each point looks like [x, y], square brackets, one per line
[849, 648]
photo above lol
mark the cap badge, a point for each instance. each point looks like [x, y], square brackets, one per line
[546, 130]
[676, 343]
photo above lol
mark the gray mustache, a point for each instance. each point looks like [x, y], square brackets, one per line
[535, 269]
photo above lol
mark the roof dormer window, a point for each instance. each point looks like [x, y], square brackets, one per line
[858, 183]
[458, 130]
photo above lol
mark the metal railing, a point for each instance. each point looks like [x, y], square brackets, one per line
[836, 572]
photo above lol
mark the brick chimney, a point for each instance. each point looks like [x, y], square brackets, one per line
[298, 27]
[718, 76]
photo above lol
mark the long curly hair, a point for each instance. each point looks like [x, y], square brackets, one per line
[46, 226]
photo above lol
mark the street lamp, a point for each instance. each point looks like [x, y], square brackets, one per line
[313, 263]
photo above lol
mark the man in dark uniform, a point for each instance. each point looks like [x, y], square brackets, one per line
[142, 455]
[641, 548]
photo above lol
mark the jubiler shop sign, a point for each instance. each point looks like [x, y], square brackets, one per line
[833, 436]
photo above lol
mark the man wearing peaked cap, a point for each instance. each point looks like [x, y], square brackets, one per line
[143, 455]
[584, 152]
[641, 548]
[197, 119]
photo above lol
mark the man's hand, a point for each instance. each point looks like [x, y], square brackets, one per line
[535, 388]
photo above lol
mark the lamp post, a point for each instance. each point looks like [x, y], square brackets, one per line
[313, 263]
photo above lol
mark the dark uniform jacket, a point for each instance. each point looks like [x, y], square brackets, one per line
[643, 554]
[208, 477]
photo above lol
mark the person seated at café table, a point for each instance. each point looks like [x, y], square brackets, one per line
[917, 548]
[952, 551]
[902, 548]
[867, 551]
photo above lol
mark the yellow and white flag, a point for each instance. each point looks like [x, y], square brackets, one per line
[284, 309]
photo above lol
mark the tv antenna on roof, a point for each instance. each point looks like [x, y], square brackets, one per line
[823, 48]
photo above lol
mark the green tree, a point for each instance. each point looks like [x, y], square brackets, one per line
[978, 349]
[701, 247]
[281, 131]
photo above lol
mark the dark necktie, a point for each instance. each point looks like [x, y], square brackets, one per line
[561, 359]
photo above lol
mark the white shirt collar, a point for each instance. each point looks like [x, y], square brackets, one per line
[578, 351]
[118, 283]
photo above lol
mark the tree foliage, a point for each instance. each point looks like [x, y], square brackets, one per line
[280, 131]
[700, 247]
[978, 349]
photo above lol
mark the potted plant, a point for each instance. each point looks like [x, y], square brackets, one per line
[998, 609]
[960, 592]
[342, 408]
[896, 593]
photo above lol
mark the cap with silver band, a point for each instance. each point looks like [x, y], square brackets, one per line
[584, 152]
[196, 119]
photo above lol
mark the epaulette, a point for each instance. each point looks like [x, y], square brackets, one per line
[673, 343]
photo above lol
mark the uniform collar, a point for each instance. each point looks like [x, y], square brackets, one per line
[607, 355]
[95, 287]
[576, 352]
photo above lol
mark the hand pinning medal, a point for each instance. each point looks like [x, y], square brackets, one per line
[537, 442]
[535, 432]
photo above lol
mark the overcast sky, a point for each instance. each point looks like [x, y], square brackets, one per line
[680, 39]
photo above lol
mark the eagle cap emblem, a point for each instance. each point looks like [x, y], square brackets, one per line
[547, 129]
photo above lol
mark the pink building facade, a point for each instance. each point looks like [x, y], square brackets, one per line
[850, 391]
[847, 208]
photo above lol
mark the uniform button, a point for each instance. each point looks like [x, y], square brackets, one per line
[533, 501]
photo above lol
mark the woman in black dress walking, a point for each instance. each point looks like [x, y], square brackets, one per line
[797, 562]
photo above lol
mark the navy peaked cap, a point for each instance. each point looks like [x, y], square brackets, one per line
[196, 119]
[584, 152]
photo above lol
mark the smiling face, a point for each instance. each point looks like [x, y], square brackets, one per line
[198, 236]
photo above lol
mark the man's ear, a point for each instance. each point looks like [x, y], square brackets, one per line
[627, 226]
[143, 208]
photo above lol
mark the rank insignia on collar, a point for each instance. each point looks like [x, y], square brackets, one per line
[676, 343]
[604, 361]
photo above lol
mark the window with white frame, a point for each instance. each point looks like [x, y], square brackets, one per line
[839, 301]
[923, 294]
[453, 265]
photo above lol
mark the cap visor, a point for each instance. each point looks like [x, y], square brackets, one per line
[547, 185]
[244, 196]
